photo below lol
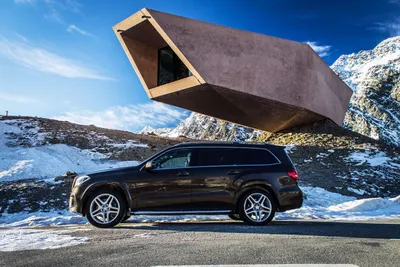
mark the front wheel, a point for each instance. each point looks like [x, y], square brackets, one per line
[257, 207]
[105, 208]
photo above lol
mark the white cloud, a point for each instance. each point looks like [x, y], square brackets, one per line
[72, 28]
[17, 98]
[321, 50]
[390, 27]
[54, 8]
[39, 59]
[54, 15]
[133, 117]
[23, 38]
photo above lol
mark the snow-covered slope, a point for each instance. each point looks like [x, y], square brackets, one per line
[374, 77]
[25, 153]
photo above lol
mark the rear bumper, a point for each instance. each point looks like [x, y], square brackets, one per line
[290, 198]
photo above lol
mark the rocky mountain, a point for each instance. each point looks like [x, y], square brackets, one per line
[198, 126]
[202, 127]
[163, 132]
[374, 77]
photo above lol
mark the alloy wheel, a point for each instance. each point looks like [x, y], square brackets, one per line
[104, 208]
[257, 207]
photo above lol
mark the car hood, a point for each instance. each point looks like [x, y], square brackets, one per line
[113, 171]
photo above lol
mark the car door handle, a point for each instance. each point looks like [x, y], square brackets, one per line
[183, 174]
[233, 172]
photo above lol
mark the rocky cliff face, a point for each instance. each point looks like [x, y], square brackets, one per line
[374, 76]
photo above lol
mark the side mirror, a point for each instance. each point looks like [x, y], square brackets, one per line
[149, 165]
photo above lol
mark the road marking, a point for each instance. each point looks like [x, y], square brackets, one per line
[264, 265]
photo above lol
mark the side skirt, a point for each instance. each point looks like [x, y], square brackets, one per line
[191, 212]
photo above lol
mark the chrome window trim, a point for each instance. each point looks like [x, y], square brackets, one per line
[214, 166]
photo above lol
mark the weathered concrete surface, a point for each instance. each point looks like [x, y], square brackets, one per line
[242, 77]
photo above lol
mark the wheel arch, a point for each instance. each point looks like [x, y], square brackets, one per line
[122, 188]
[251, 185]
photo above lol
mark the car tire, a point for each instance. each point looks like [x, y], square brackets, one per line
[257, 207]
[105, 208]
[235, 217]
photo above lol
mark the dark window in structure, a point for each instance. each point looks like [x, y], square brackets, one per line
[170, 67]
[231, 156]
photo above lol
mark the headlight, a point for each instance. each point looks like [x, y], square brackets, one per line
[81, 179]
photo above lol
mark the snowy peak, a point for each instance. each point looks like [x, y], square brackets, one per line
[198, 126]
[361, 67]
[159, 131]
[374, 76]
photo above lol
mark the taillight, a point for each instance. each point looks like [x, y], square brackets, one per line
[293, 174]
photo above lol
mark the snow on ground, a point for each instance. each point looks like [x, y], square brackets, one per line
[28, 239]
[318, 204]
[47, 161]
[321, 204]
[370, 157]
[53, 218]
[129, 144]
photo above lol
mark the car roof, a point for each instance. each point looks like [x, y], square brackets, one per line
[228, 144]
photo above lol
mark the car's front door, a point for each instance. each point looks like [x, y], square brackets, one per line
[167, 186]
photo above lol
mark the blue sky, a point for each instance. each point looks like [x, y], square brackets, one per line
[61, 59]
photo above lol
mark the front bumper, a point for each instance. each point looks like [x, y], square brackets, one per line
[75, 200]
[72, 204]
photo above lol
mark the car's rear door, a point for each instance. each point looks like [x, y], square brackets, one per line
[167, 187]
[213, 179]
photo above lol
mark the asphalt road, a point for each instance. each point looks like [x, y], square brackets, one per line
[374, 243]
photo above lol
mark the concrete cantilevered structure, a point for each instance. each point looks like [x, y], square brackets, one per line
[247, 78]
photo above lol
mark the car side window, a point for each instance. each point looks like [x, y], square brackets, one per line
[212, 156]
[252, 157]
[178, 158]
[235, 157]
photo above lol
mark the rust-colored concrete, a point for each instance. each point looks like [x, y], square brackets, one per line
[252, 79]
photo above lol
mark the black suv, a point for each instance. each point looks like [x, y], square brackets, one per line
[248, 182]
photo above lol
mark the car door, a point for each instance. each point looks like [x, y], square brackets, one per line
[213, 178]
[167, 186]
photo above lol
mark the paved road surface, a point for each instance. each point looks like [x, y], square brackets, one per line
[374, 243]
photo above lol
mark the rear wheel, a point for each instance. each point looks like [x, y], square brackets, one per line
[257, 207]
[105, 208]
